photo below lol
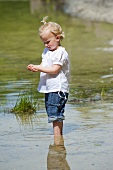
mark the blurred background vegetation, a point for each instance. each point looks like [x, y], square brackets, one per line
[20, 44]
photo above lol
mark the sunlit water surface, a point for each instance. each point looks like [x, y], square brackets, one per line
[26, 141]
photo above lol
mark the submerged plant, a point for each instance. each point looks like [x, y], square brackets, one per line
[25, 104]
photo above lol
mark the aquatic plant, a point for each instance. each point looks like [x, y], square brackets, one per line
[25, 104]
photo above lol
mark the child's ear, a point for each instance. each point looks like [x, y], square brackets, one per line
[58, 38]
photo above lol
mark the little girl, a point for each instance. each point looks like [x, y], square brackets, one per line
[54, 74]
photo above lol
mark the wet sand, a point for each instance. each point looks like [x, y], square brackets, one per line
[87, 140]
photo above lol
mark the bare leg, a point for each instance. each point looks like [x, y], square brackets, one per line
[57, 127]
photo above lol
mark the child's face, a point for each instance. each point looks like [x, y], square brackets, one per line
[50, 40]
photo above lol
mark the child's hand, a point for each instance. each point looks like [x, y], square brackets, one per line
[32, 67]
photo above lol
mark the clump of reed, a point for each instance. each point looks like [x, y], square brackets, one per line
[25, 104]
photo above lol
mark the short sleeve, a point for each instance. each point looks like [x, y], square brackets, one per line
[60, 56]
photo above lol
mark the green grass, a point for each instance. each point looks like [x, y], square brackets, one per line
[25, 104]
[19, 40]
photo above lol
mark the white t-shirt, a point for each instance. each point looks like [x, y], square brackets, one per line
[54, 82]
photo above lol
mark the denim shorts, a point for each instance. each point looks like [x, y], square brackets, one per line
[55, 105]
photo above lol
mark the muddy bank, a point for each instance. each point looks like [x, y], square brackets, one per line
[98, 10]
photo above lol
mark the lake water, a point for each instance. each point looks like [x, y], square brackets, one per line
[26, 141]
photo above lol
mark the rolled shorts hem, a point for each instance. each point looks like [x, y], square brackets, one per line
[59, 119]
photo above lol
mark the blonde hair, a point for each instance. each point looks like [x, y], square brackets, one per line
[53, 27]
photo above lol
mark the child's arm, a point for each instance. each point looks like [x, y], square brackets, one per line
[50, 70]
[54, 69]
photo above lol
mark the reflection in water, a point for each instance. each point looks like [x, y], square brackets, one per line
[26, 118]
[56, 158]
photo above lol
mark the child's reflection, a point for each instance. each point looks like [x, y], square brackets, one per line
[56, 158]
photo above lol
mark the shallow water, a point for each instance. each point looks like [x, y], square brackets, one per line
[26, 141]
